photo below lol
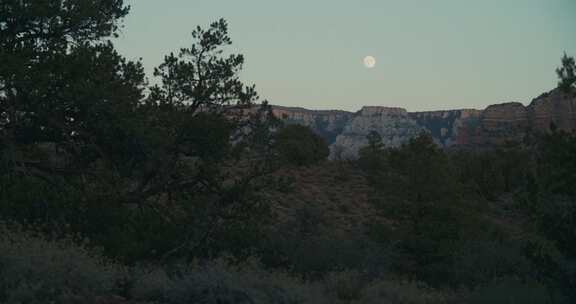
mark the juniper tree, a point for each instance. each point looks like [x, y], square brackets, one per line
[567, 73]
[143, 176]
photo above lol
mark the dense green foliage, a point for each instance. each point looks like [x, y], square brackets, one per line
[456, 215]
[299, 145]
[98, 166]
[567, 73]
[84, 149]
[35, 269]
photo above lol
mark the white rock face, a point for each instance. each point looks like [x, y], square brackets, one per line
[465, 128]
[393, 124]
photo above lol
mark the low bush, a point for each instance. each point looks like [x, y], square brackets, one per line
[34, 269]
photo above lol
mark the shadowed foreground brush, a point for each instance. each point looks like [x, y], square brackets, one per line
[35, 269]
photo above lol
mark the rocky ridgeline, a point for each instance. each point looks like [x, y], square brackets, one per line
[451, 127]
[556, 108]
[393, 124]
[328, 123]
[501, 123]
[468, 128]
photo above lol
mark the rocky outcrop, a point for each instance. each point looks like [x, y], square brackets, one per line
[327, 123]
[496, 125]
[449, 128]
[394, 125]
[555, 108]
[502, 123]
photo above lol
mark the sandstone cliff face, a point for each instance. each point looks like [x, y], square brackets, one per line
[496, 125]
[502, 123]
[555, 107]
[327, 123]
[346, 132]
[393, 124]
[449, 128]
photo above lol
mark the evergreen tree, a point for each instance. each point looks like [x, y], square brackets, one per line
[142, 176]
[567, 73]
[375, 143]
[299, 145]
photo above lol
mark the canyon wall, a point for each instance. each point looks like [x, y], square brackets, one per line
[451, 127]
[327, 123]
[393, 124]
[468, 128]
[555, 108]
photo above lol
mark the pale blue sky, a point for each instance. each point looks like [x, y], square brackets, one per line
[432, 54]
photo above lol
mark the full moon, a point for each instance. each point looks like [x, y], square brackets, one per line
[369, 62]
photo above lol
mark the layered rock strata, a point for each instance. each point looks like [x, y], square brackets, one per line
[468, 128]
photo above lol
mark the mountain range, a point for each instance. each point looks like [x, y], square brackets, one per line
[498, 124]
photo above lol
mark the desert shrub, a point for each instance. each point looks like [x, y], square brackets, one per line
[417, 189]
[398, 292]
[308, 244]
[220, 281]
[493, 173]
[345, 286]
[299, 145]
[479, 262]
[362, 288]
[442, 231]
[316, 255]
[548, 201]
[34, 269]
[513, 290]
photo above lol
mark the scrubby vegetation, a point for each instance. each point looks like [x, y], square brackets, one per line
[466, 219]
[36, 269]
[190, 191]
[300, 146]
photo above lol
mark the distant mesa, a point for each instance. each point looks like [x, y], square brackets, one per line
[465, 128]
